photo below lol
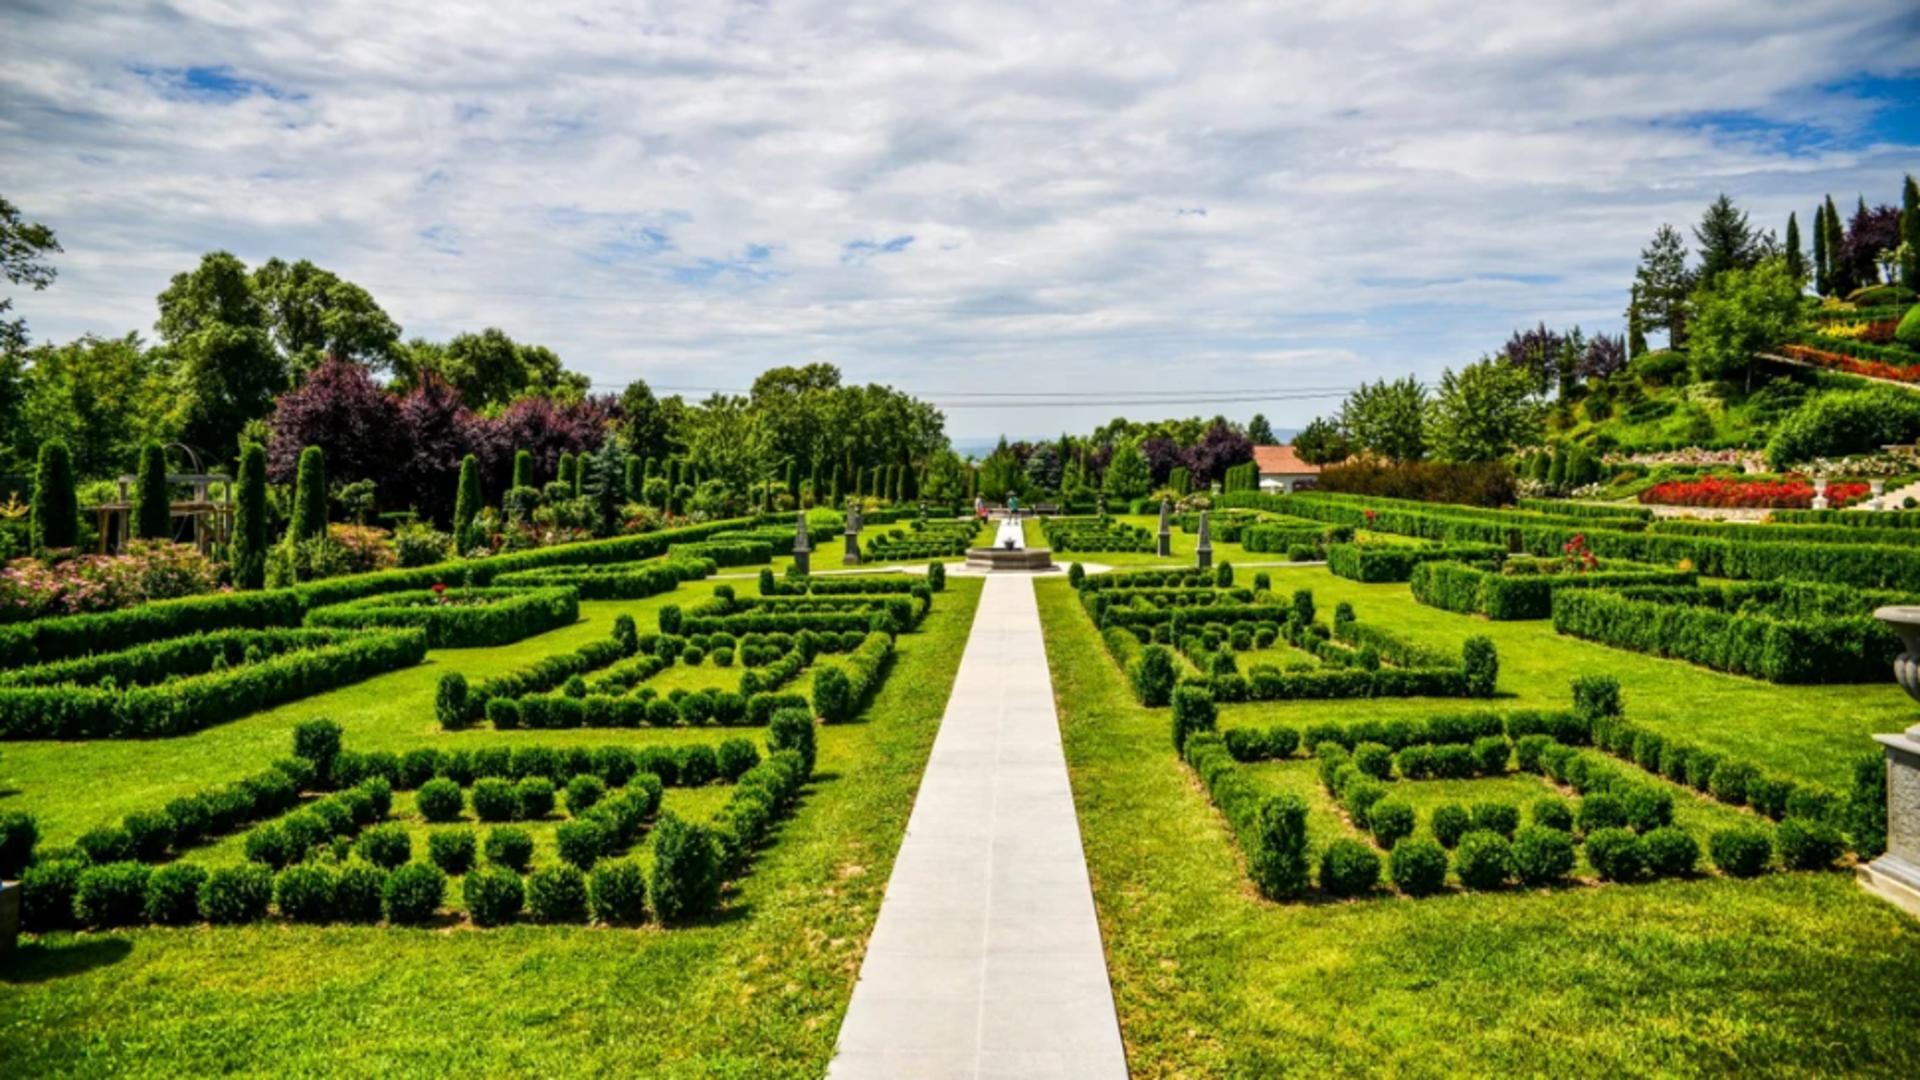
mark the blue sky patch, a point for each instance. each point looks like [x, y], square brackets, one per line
[216, 83]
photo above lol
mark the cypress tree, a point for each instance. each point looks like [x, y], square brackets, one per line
[55, 521]
[1796, 263]
[1909, 231]
[634, 479]
[309, 497]
[568, 467]
[1839, 276]
[1821, 285]
[522, 468]
[153, 507]
[466, 502]
[1557, 469]
[793, 481]
[247, 556]
[833, 492]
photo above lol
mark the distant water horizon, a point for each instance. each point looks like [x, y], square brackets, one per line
[980, 447]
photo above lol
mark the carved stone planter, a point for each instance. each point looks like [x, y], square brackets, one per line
[1895, 875]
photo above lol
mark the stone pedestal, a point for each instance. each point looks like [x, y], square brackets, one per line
[852, 556]
[1879, 490]
[1165, 549]
[9, 916]
[802, 546]
[1203, 551]
[1895, 876]
[1820, 493]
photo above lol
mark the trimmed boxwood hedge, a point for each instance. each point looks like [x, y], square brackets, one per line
[1524, 588]
[461, 618]
[1785, 632]
[840, 690]
[618, 581]
[1395, 562]
[188, 704]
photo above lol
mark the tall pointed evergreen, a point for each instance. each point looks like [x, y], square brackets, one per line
[1910, 234]
[1839, 277]
[522, 468]
[1796, 263]
[153, 507]
[568, 466]
[309, 497]
[55, 520]
[247, 554]
[466, 503]
[1727, 241]
[1821, 271]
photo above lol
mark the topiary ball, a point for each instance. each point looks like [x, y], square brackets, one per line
[1616, 854]
[236, 894]
[439, 800]
[1670, 852]
[305, 893]
[385, 846]
[1418, 867]
[533, 798]
[1349, 868]
[1391, 821]
[494, 799]
[1807, 844]
[173, 894]
[413, 893]
[1542, 856]
[1449, 822]
[1552, 812]
[1741, 851]
[558, 894]
[1499, 817]
[618, 893]
[583, 792]
[1484, 859]
[581, 842]
[493, 895]
[112, 895]
[451, 850]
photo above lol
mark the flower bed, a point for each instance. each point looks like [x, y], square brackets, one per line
[1794, 493]
[1852, 365]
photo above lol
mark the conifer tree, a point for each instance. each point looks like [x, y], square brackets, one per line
[1822, 270]
[55, 521]
[565, 472]
[309, 497]
[466, 503]
[1910, 235]
[247, 555]
[1839, 274]
[1796, 263]
[522, 468]
[153, 506]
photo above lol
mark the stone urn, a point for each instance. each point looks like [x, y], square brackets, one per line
[1819, 493]
[1895, 875]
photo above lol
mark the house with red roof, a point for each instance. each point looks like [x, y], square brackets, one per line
[1281, 470]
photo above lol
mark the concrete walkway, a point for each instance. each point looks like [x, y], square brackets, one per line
[986, 959]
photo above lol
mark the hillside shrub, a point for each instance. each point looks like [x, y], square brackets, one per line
[1740, 850]
[493, 895]
[236, 894]
[305, 893]
[510, 846]
[173, 894]
[558, 894]
[1349, 868]
[440, 800]
[1542, 856]
[618, 893]
[1670, 852]
[112, 895]
[413, 894]
[1848, 422]
[1418, 867]
[451, 850]
[1484, 860]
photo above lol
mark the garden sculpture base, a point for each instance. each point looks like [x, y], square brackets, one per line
[1010, 552]
[9, 916]
[1895, 876]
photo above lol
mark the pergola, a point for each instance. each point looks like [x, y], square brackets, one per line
[212, 519]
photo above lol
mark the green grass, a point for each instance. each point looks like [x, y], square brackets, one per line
[1791, 974]
[757, 991]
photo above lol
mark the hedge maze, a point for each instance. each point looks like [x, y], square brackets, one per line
[920, 541]
[617, 834]
[1095, 534]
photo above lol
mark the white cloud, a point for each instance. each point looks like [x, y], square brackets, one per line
[671, 191]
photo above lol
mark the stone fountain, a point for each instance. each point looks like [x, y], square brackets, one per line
[1895, 875]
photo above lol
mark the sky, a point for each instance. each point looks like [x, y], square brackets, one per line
[1195, 207]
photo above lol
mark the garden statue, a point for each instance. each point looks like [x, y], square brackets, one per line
[802, 547]
[1819, 493]
[1879, 490]
[852, 556]
[1166, 530]
[1895, 875]
[1204, 549]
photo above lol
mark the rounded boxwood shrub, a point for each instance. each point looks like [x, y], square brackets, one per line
[1154, 675]
[1490, 755]
[1374, 760]
[583, 792]
[1484, 860]
[510, 846]
[493, 894]
[723, 657]
[450, 701]
[385, 846]
[151, 832]
[1391, 820]
[359, 893]
[1359, 795]
[494, 799]
[686, 870]
[1670, 852]
[107, 844]
[1499, 817]
[112, 895]
[1742, 850]
[440, 800]
[534, 797]
[451, 850]
[173, 894]
[236, 894]
[618, 892]
[414, 892]
[19, 832]
[735, 757]
[792, 729]
[305, 893]
[1552, 812]
[46, 893]
[1542, 856]
[1806, 844]
[1648, 807]
[1418, 867]
[1349, 868]
[581, 842]
[558, 894]
[1449, 822]
[1616, 854]
[1600, 811]
[267, 845]
[698, 765]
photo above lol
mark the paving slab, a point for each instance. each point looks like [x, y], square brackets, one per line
[986, 959]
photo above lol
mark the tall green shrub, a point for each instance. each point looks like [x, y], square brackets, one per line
[466, 502]
[569, 468]
[153, 513]
[523, 468]
[248, 554]
[56, 511]
[309, 497]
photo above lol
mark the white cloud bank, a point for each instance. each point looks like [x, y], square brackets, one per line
[691, 192]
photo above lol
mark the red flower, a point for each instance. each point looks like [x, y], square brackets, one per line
[1793, 493]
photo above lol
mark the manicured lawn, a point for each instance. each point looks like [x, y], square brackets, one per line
[756, 991]
[1786, 974]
